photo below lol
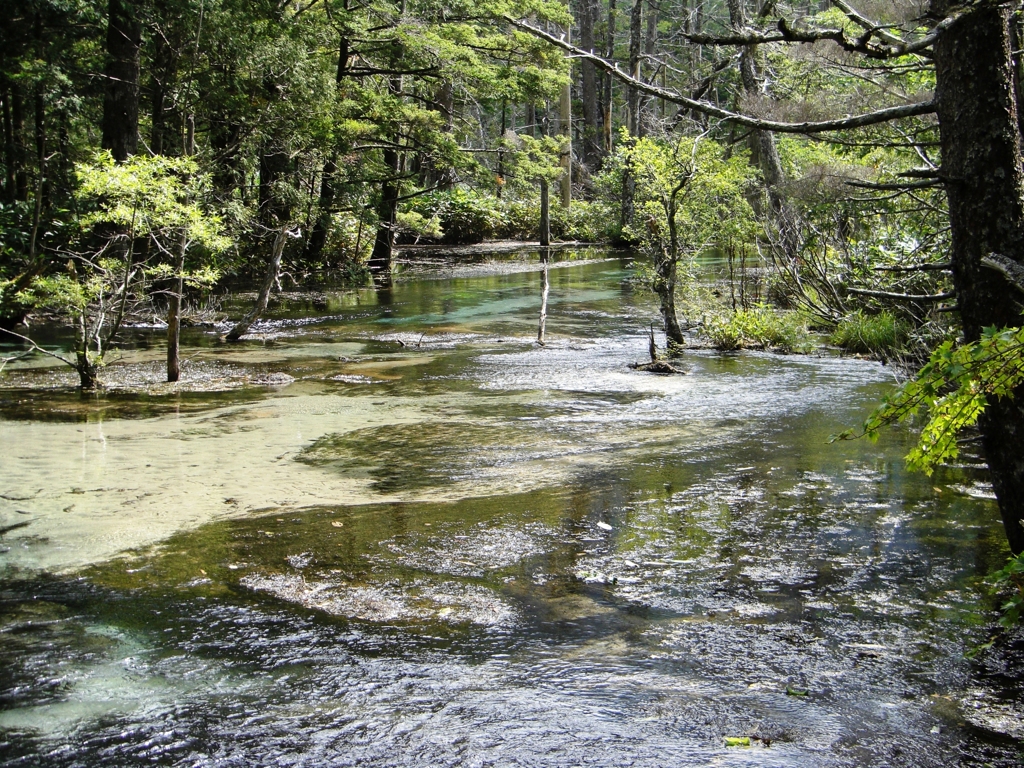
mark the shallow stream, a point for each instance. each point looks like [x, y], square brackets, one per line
[390, 529]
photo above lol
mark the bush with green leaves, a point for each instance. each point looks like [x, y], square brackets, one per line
[953, 388]
[464, 216]
[1010, 579]
[153, 200]
[882, 334]
[760, 327]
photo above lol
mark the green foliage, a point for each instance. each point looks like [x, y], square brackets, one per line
[954, 387]
[149, 196]
[689, 191]
[413, 226]
[1011, 578]
[462, 216]
[882, 334]
[760, 326]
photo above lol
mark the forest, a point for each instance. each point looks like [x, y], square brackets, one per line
[854, 168]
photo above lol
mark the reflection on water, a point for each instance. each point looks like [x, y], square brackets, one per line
[443, 544]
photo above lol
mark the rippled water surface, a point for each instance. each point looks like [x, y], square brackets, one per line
[392, 530]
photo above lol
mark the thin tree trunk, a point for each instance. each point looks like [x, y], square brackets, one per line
[545, 286]
[18, 144]
[10, 157]
[764, 146]
[636, 24]
[665, 287]
[545, 215]
[318, 234]
[387, 208]
[610, 56]
[982, 156]
[174, 315]
[269, 281]
[174, 301]
[565, 132]
[650, 48]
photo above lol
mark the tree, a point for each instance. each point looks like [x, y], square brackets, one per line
[688, 198]
[159, 200]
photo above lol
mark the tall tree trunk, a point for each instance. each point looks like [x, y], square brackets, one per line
[121, 100]
[982, 169]
[387, 217]
[593, 153]
[565, 133]
[609, 53]
[764, 147]
[9, 154]
[164, 66]
[19, 159]
[387, 208]
[636, 27]
[318, 234]
[644, 117]
[178, 287]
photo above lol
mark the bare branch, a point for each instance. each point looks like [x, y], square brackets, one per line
[902, 296]
[896, 187]
[893, 48]
[706, 108]
[944, 266]
[37, 348]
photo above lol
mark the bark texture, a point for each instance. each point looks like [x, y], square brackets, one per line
[981, 167]
[593, 122]
[121, 99]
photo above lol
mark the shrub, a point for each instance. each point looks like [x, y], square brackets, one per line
[759, 326]
[465, 217]
[882, 334]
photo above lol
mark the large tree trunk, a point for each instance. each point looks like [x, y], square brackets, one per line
[121, 100]
[609, 54]
[981, 167]
[593, 126]
[763, 145]
[387, 217]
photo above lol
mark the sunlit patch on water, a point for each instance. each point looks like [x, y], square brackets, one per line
[406, 601]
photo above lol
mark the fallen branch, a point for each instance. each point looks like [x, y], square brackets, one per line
[902, 296]
[943, 266]
[36, 348]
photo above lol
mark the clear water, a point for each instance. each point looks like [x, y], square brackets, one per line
[469, 550]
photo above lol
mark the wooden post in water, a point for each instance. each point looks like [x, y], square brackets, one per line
[544, 286]
[545, 215]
